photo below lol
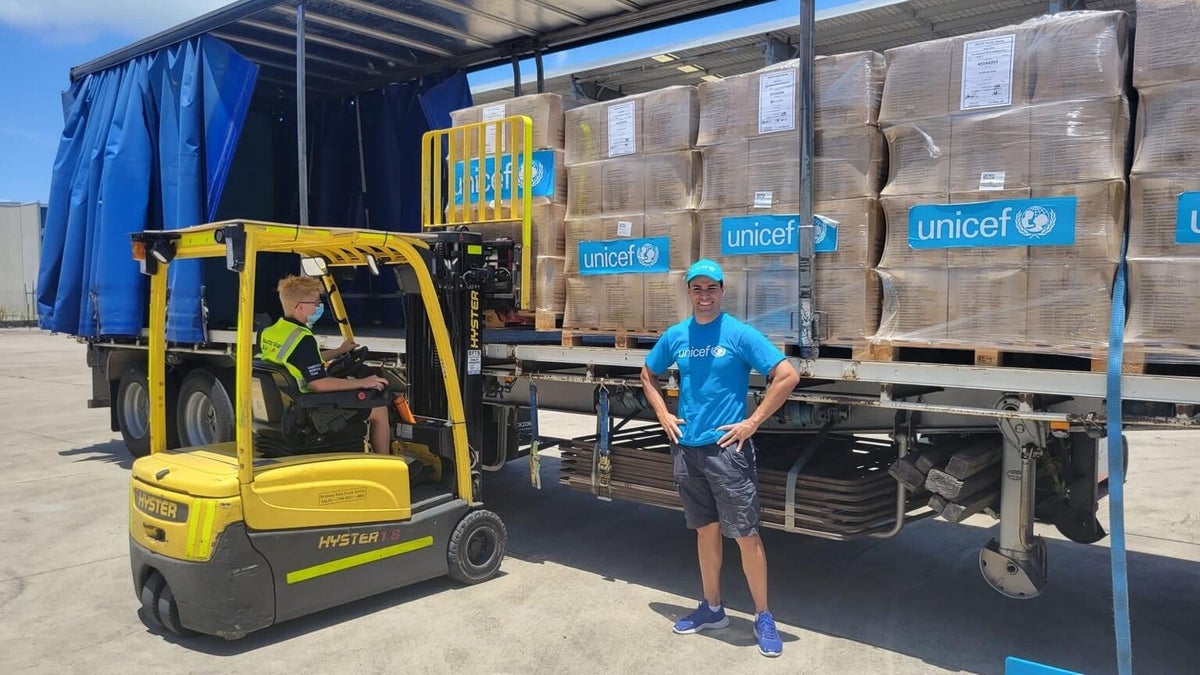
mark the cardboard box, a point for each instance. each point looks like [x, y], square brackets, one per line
[915, 304]
[848, 162]
[849, 302]
[847, 89]
[1163, 306]
[1153, 208]
[1078, 141]
[545, 111]
[599, 228]
[987, 256]
[773, 302]
[1067, 305]
[990, 149]
[1099, 223]
[1079, 55]
[917, 84]
[762, 172]
[860, 233]
[897, 254]
[546, 223]
[918, 157]
[660, 121]
[609, 302]
[736, 282]
[760, 103]
[681, 228]
[585, 193]
[987, 306]
[644, 183]
[1163, 52]
[725, 183]
[666, 300]
[1167, 134]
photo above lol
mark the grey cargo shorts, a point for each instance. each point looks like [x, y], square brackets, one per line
[718, 484]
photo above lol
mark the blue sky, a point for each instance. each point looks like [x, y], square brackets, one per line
[41, 40]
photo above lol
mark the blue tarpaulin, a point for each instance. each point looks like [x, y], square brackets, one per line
[146, 145]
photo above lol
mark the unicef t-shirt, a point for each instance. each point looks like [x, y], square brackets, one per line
[715, 360]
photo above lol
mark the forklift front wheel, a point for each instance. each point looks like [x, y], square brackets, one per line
[477, 547]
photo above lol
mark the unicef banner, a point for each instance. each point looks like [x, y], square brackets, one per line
[1187, 227]
[1044, 221]
[625, 256]
[542, 168]
[748, 235]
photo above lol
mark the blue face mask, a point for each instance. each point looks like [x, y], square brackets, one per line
[312, 318]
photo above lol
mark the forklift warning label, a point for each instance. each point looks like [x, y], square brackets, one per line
[341, 496]
[157, 507]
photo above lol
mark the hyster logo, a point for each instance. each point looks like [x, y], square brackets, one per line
[1187, 219]
[163, 509]
[774, 234]
[1046, 221]
[624, 256]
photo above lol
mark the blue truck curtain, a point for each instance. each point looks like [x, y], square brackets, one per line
[146, 145]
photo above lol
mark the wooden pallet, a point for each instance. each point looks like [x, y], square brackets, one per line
[574, 337]
[548, 320]
[990, 356]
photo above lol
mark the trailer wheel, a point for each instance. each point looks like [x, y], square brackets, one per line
[151, 590]
[205, 410]
[477, 547]
[133, 411]
[168, 612]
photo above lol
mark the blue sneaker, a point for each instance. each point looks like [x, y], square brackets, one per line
[769, 642]
[702, 619]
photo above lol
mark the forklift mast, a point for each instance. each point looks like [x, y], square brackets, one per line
[456, 263]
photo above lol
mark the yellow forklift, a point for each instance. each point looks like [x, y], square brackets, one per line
[295, 516]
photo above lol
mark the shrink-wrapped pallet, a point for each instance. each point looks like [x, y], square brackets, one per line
[1164, 320]
[846, 89]
[659, 121]
[1167, 134]
[760, 103]
[1165, 50]
[544, 110]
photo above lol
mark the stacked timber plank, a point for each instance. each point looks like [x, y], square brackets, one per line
[840, 493]
[1164, 228]
[959, 480]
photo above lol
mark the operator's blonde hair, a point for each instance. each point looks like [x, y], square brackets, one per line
[295, 289]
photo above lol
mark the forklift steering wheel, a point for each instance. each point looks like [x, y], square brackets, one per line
[348, 363]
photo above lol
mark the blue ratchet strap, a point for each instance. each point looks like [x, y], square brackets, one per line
[1116, 475]
[601, 463]
[535, 462]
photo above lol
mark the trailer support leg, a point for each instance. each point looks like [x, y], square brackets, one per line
[1015, 565]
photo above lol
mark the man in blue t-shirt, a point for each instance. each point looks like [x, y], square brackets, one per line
[711, 445]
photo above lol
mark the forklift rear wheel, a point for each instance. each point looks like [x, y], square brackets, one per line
[477, 547]
[168, 612]
[151, 590]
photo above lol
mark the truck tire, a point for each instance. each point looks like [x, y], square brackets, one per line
[477, 547]
[133, 410]
[204, 412]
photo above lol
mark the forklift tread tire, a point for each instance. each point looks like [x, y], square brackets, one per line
[477, 547]
[151, 590]
[168, 612]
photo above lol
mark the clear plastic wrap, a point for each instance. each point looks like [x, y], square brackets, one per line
[760, 103]
[760, 172]
[1163, 322]
[1166, 49]
[635, 184]
[1153, 210]
[679, 226]
[546, 111]
[1078, 55]
[666, 300]
[1167, 134]
[847, 88]
[659, 121]
[609, 302]
[549, 284]
[859, 235]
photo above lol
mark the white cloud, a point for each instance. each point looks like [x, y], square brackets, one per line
[75, 21]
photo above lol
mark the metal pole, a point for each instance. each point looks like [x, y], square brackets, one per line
[516, 64]
[541, 71]
[362, 163]
[807, 314]
[301, 117]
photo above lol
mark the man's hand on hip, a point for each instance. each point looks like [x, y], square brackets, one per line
[737, 433]
[670, 424]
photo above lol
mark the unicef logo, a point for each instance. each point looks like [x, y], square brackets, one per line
[820, 230]
[1035, 221]
[647, 255]
[538, 171]
[719, 351]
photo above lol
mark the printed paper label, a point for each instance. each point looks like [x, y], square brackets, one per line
[987, 72]
[492, 113]
[624, 228]
[1045, 221]
[622, 131]
[763, 200]
[474, 361]
[991, 180]
[777, 101]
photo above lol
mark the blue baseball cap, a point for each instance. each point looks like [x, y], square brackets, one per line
[705, 268]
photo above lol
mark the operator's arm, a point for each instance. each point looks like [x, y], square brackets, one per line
[782, 379]
[654, 396]
[346, 347]
[307, 359]
[328, 384]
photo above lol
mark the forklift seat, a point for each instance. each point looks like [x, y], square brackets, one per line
[288, 421]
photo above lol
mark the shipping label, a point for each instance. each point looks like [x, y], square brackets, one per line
[777, 101]
[987, 72]
[777, 234]
[493, 113]
[1187, 219]
[541, 167]
[1044, 221]
[622, 129]
[625, 256]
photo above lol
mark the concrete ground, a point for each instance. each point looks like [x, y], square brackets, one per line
[588, 587]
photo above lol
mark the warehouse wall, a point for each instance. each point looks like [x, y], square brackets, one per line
[20, 248]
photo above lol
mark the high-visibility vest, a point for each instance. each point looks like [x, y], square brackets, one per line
[278, 341]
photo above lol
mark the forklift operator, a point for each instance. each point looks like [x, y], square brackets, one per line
[291, 343]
